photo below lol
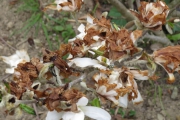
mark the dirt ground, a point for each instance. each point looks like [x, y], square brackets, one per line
[150, 109]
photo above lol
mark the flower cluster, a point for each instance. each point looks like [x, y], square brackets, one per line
[119, 85]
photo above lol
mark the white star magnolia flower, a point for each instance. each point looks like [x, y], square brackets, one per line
[90, 111]
[20, 56]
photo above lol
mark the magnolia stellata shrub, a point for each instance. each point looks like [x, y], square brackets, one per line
[100, 58]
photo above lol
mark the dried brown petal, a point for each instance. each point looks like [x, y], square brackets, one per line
[152, 15]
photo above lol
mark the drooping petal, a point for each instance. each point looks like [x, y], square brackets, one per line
[73, 116]
[139, 99]
[86, 62]
[171, 78]
[123, 101]
[20, 56]
[82, 101]
[54, 115]
[96, 113]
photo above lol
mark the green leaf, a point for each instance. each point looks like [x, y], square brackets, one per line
[69, 27]
[7, 86]
[114, 13]
[58, 28]
[46, 34]
[121, 112]
[175, 37]
[95, 102]
[121, 22]
[112, 111]
[159, 92]
[64, 34]
[167, 1]
[132, 113]
[176, 27]
[27, 109]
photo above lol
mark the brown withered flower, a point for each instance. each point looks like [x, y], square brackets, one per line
[119, 85]
[151, 15]
[66, 5]
[55, 98]
[169, 59]
[120, 44]
[56, 58]
[23, 78]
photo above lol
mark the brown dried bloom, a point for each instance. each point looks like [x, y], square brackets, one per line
[169, 59]
[60, 98]
[56, 58]
[23, 78]
[119, 86]
[152, 15]
[66, 5]
[99, 35]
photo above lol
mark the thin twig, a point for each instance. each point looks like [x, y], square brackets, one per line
[3, 41]
[37, 115]
[80, 21]
[173, 3]
[79, 79]
[116, 111]
[4, 77]
[26, 101]
[122, 9]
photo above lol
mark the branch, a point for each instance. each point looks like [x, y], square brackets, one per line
[130, 4]
[138, 3]
[160, 39]
[173, 3]
[79, 79]
[122, 9]
[3, 41]
[35, 109]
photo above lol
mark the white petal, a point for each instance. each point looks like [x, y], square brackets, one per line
[81, 36]
[54, 115]
[81, 28]
[123, 101]
[96, 38]
[138, 100]
[90, 19]
[19, 56]
[85, 62]
[23, 55]
[9, 70]
[83, 84]
[111, 93]
[73, 116]
[96, 113]
[101, 90]
[82, 101]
